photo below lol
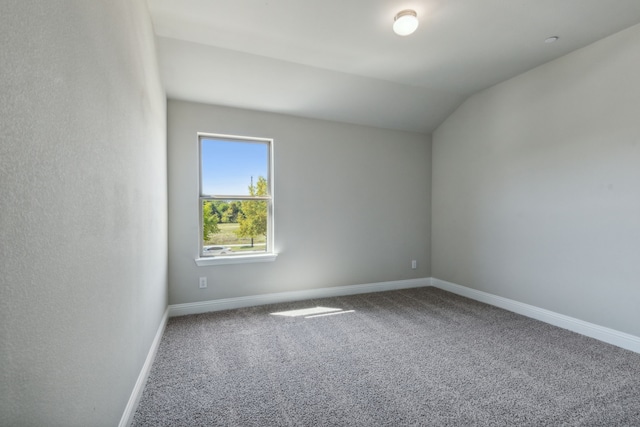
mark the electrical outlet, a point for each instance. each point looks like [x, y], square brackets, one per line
[414, 264]
[203, 282]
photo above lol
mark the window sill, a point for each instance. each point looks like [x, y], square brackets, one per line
[236, 259]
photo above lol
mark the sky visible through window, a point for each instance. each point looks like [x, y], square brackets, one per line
[227, 166]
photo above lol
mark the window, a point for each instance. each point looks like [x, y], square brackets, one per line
[236, 199]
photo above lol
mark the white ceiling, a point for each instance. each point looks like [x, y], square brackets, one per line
[340, 60]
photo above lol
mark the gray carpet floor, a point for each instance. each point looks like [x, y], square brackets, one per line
[400, 358]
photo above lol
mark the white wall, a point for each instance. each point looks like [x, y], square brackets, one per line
[351, 204]
[83, 225]
[536, 187]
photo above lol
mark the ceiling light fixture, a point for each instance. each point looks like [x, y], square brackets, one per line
[405, 22]
[552, 39]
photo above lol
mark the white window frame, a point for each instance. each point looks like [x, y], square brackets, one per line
[269, 254]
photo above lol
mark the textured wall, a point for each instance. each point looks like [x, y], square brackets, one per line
[536, 187]
[351, 203]
[83, 240]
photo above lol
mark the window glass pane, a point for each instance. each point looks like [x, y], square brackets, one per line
[234, 227]
[230, 167]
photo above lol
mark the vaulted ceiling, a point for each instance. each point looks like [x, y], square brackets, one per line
[340, 60]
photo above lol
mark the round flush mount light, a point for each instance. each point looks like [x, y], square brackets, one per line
[551, 39]
[405, 22]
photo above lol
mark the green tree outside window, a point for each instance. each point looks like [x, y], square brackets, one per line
[253, 213]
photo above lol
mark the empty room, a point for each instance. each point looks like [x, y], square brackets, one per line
[277, 213]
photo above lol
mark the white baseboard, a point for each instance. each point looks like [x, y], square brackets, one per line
[136, 394]
[250, 301]
[610, 336]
